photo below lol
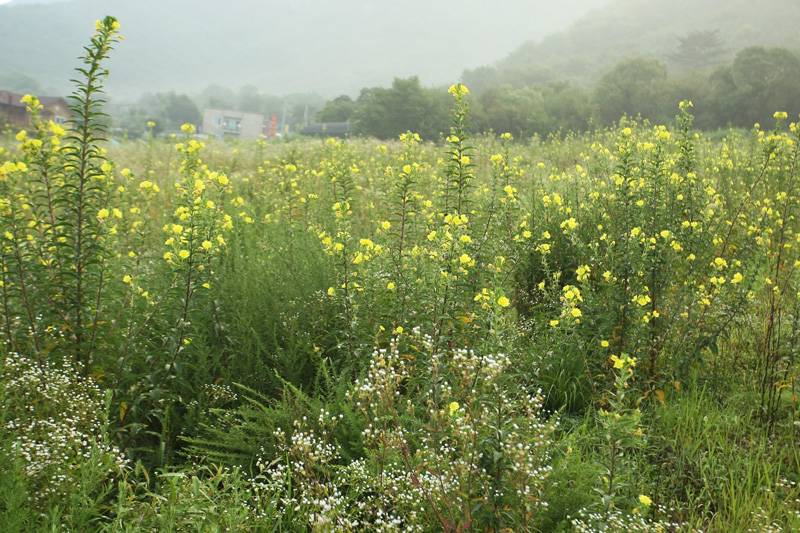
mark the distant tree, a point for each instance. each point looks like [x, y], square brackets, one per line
[340, 109]
[699, 50]
[179, 109]
[696, 87]
[249, 100]
[517, 111]
[634, 86]
[16, 82]
[168, 110]
[386, 113]
[759, 82]
[217, 97]
[480, 78]
[569, 108]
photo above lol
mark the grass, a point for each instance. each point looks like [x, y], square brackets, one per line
[474, 335]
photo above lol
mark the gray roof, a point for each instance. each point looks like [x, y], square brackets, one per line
[13, 99]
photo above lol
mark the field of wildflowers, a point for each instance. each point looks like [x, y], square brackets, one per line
[591, 333]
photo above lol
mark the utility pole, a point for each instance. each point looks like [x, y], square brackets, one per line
[283, 121]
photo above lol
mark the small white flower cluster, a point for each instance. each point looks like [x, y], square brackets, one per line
[330, 497]
[218, 395]
[594, 521]
[446, 466]
[55, 415]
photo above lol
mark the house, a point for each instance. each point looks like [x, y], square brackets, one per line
[328, 129]
[15, 113]
[226, 123]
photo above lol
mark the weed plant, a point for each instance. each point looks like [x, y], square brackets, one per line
[594, 333]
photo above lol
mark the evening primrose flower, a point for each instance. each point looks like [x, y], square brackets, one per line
[103, 213]
[645, 500]
[454, 407]
[503, 301]
[390, 286]
[458, 90]
[183, 254]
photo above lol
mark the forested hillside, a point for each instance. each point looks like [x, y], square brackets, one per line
[624, 28]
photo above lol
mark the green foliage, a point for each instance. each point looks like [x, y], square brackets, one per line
[699, 50]
[386, 113]
[368, 336]
[758, 83]
[634, 86]
[340, 109]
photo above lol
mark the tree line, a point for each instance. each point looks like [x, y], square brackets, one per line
[748, 90]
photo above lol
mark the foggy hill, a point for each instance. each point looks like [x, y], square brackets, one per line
[280, 46]
[622, 28]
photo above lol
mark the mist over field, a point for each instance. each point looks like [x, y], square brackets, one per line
[280, 46]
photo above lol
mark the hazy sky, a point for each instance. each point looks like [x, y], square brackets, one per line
[327, 46]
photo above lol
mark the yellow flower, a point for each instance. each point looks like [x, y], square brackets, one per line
[618, 363]
[206, 244]
[576, 312]
[331, 291]
[126, 279]
[386, 224]
[737, 278]
[645, 500]
[553, 323]
[390, 286]
[454, 407]
[465, 258]
[103, 213]
[604, 344]
[183, 254]
[503, 301]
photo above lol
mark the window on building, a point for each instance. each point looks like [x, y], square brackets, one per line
[218, 121]
[59, 120]
[232, 124]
